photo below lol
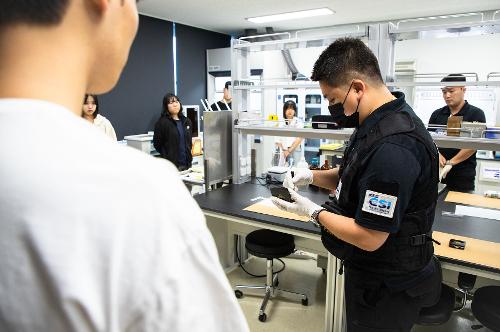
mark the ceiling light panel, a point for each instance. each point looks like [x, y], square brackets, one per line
[291, 15]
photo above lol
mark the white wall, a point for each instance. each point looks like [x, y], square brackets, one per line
[478, 54]
[304, 58]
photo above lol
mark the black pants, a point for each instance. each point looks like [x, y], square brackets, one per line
[371, 306]
[460, 183]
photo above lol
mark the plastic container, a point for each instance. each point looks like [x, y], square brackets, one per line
[492, 134]
[314, 163]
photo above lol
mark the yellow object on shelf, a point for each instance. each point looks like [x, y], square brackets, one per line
[272, 117]
[331, 147]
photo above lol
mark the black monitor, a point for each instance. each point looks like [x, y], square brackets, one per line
[192, 112]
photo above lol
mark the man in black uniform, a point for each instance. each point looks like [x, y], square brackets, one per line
[380, 221]
[459, 165]
[226, 99]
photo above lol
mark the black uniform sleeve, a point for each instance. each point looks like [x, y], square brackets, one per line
[385, 188]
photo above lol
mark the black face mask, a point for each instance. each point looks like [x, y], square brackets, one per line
[344, 121]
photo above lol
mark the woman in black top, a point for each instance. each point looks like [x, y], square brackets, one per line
[173, 132]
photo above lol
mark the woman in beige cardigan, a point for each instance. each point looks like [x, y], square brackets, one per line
[90, 112]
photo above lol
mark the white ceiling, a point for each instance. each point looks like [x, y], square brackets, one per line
[228, 16]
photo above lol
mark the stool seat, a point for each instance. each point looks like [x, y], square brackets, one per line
[269, 244]
[441, 312]
[486, 306]
[466, 281]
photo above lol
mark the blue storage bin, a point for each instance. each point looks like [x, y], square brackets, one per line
[490, 134]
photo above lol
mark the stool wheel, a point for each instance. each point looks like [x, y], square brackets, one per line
[305, 302]
[238, 293]
[262, 317]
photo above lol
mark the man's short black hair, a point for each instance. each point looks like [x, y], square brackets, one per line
[38, 12]
[344, 60]
[454, 78]
[227, 84]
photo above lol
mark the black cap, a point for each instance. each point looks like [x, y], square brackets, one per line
[454, 78]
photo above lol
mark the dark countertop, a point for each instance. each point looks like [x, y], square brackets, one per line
[232, 199]
[474, 227]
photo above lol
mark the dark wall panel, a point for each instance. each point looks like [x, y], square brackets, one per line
[134, 105]
[192, 44]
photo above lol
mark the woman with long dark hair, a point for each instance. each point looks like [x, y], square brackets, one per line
[173, 132]
[291, 147]
[90, 112]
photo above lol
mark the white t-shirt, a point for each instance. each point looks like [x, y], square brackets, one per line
[105, 126]
[99, 237]
[288, 141]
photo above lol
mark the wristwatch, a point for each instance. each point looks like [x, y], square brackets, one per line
[314, 217]
[448, 162]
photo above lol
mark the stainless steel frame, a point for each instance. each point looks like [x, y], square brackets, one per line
[271, 290]
[217, 146]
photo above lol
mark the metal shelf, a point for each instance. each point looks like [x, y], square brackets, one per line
[315, 85]
[296, 42]
[344, 134]
[471, 83]
[278, 85]
[340, 134]
[488, 144]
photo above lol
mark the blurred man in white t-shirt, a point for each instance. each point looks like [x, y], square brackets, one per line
[93, 236]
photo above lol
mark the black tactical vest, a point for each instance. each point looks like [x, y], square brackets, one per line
[410, 249]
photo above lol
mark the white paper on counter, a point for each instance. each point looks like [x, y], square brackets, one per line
[477, 212]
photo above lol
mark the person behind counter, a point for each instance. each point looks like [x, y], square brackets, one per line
[173, 133]
[90, 112]
[380, 221]
[458, 165]
[290, 147]
[226, 99]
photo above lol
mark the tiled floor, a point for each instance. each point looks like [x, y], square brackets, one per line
[461, 321]
[303, 276]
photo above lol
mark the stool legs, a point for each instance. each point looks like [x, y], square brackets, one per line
[270, 290]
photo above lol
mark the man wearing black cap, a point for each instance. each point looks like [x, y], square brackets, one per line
[226, 100]
[459, 166]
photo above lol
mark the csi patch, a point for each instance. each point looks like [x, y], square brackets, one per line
[379, 204]
[337, 191]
